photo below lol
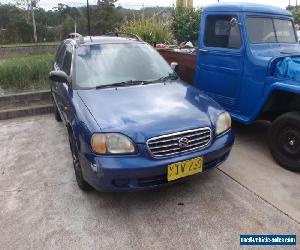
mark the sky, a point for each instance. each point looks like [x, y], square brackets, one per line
[137, 4]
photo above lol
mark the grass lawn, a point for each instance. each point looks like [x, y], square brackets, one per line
[27, 44]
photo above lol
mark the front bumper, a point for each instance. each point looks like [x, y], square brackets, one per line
[142, 171]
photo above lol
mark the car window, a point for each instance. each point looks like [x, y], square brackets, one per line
[60, 55]
[298, 35]
[67, 59]
[219, 32]
[105, 64]
[57, 53]
[270, 30]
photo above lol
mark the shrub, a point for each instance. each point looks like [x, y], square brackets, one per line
[151, 30]
[26, 73]
[185, 24]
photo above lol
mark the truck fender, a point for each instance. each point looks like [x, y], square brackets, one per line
[288, 86]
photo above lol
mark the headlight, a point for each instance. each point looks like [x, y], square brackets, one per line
[223, 123]
[112, 143]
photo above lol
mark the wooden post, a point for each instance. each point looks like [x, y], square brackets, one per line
[33, 21]
[189, 3]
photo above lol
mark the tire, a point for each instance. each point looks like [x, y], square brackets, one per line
[56, 112]
[284, 140]
[82, 184]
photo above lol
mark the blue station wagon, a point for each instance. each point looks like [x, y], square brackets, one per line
[132, 123]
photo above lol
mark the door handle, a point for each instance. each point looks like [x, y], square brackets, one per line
[203, 50]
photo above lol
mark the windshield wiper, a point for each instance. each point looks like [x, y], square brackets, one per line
[120, 84]
[138, 82]
[168, 77]
[171, 77]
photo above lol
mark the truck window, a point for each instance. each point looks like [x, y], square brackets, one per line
[270, 30]
[219, 33]
[284, 31]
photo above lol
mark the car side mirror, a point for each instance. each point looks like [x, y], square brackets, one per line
[174, 66]
[58, 76]
[234, 22]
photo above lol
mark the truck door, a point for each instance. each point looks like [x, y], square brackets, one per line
[220, 59]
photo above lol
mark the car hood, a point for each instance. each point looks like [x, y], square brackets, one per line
[272, 51]
[146, 111]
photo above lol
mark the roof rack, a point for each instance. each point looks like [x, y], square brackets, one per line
[77, 37]
[124, 34]
[74, 35]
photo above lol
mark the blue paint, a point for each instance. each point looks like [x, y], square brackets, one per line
[140, 112]
[242, 80]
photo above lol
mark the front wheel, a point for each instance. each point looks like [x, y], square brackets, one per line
[284, 140]
[82, 184]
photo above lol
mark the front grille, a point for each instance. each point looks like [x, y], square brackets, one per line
[185, 141]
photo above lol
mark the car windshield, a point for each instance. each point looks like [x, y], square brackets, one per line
[116, 64]
[271, 30]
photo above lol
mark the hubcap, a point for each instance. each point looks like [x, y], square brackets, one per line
[289, 142]
[292, 142]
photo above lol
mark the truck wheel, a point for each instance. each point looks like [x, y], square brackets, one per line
[82, 184]
[284, 140]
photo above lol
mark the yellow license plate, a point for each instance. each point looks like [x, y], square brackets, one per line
[186, 168]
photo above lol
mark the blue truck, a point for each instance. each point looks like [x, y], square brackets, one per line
[248, 60]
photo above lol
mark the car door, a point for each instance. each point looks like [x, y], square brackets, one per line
[64, 88]
[220, 59]
[58, 66]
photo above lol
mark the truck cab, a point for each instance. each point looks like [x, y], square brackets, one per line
[248, 60]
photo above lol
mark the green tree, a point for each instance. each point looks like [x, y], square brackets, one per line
[9, 14]
[19, 32]
[13, 19]
[16, 21]
[185, 24]
[82, 25]
[68, 26]
[105, 17]
[30, 6]
[296, 13]
[41, 16]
